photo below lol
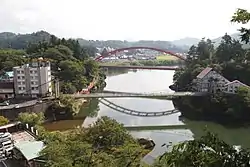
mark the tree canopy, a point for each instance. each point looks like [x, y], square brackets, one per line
[69, 61]
[31, 118]
[105, 143]
[208, 151]
[230, 60]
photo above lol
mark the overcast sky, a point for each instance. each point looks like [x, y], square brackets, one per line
[121, 19]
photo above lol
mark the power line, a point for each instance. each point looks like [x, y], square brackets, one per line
[27, 91]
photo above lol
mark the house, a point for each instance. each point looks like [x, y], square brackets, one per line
[209, 80]
[233, 86]
[27, 153]
[6, 90]
[7, 76]
[6, 85]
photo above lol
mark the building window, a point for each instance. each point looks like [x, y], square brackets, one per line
[23, 77]
[33, 71]
[21, 88]
[18, 77]
[21, 83]
[34, 77]
[20, 72]
[34, 88]
[34, 82]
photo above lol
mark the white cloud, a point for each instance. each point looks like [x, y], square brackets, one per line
[121, 19]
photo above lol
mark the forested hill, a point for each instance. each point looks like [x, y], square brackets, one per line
[21, 41]
[123, 44]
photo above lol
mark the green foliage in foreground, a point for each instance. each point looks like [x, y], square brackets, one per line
[208, 151]
[106, 143]
[3, 121]
[31, 118]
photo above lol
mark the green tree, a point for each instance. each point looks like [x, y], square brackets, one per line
[242, 16]
[207, 151]
[91, 68]
[68, 88]
[10, 58]
[69, 104]
[31, 118]
[229, 50]
[106, 143]
[3, 121]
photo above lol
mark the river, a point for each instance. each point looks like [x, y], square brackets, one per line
[151, 81]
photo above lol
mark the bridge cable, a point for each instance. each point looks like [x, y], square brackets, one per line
[134, 112]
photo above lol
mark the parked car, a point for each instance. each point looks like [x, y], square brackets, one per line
[39, 101]
[6, 103]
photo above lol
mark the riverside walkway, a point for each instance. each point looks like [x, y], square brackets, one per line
[112, 94]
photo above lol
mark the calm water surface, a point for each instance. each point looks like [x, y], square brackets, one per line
[152, 81]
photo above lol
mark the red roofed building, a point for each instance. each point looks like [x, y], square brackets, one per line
[210, 81]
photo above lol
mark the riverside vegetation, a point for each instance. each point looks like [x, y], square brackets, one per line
[147, 63]
[231, 61]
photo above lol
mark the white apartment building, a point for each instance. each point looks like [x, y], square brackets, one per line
[33, 79]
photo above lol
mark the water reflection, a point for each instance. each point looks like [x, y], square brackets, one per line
[161, 137]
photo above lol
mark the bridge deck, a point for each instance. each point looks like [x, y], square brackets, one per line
[127, 94]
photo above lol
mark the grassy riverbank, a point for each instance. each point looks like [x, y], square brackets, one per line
[161, 62]
[166, 57]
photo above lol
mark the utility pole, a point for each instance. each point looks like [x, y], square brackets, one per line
[57, 88]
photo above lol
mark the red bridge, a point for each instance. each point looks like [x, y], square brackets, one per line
[142, 67]
[139, 47]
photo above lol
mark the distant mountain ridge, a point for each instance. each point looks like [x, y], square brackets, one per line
[188, 41]
[21, 41]
[185, 43]
[123, 44]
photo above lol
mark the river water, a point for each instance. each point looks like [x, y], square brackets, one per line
[151, 81]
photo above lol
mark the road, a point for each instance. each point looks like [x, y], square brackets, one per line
[20, 105]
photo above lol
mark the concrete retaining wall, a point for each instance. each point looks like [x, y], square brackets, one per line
[12, 114]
